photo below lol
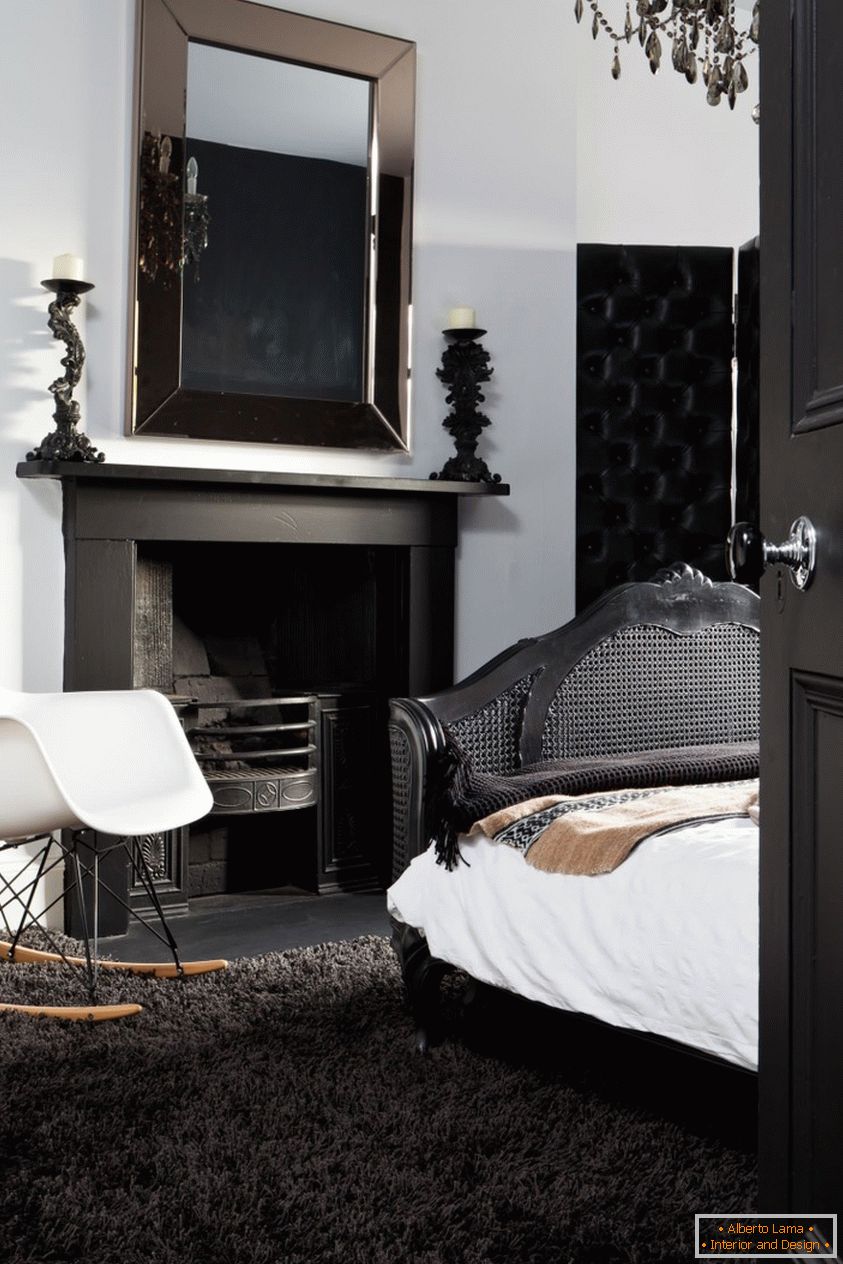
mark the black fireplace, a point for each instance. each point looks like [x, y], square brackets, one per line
[278, 613]
[279, 659]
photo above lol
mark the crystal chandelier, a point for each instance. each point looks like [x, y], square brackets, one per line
[703, 34]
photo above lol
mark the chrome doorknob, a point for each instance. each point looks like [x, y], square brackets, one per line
[748, 554]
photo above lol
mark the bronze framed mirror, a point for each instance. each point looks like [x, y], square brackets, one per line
[270, 287]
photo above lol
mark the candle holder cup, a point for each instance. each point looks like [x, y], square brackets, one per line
[465, 366]
[66, 442]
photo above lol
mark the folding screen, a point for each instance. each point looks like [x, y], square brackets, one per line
[747, 344]
[654, 411]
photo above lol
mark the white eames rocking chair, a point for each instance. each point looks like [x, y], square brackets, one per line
[117, 763]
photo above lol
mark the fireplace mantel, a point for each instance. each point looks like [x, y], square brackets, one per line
[105, 473]
[110, 509]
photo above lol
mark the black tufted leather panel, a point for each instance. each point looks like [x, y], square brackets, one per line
[654, 405]
[748, 389]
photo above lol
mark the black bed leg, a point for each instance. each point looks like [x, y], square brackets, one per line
[422, 975]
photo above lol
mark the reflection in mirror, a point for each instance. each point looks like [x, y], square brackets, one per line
[277, 155]
[160, 245]
[271, 282]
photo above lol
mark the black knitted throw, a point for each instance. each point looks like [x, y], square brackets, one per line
[462, 795]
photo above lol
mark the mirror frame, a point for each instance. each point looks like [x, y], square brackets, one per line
[157, 402]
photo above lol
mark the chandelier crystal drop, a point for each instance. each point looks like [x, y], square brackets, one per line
[703, 37]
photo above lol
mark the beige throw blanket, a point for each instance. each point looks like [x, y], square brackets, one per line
[594, 833]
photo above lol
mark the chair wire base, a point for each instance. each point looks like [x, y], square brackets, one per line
[16, 899]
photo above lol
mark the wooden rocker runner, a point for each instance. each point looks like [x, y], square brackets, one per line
[117, 764]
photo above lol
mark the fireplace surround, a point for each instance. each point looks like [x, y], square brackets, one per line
[231, 591]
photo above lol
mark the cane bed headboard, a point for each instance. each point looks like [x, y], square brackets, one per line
[672, 662]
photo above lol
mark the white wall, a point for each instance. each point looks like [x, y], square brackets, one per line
[657, 165]
[495, 229]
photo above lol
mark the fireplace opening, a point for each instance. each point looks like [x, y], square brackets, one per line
[279, 659]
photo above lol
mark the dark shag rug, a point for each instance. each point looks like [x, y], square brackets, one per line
[277, 1114]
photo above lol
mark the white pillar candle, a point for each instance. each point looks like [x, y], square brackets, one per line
[68, 268]
[462, 318]
[192, 173]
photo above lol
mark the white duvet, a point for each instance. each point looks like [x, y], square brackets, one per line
[667, 943]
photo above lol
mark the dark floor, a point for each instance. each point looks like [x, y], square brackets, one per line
[252, 923]
[663, 1080]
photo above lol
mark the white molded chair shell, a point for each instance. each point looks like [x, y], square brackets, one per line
[115, 761]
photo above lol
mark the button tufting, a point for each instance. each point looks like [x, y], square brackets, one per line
[652, 391]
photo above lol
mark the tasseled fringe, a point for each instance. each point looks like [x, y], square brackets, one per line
[447, 847]
[451, 776]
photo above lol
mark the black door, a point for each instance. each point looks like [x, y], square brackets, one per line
[801, 1053]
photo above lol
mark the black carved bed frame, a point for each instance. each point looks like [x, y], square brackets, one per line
[672, 662]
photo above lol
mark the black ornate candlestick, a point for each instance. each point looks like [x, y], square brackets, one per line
[465, 365]
[66, 442]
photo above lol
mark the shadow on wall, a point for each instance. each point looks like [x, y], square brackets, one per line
[23, 330]
[31, 552]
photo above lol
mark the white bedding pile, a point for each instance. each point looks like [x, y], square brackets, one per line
[667, 943]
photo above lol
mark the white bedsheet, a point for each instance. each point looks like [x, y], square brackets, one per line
[667, 943]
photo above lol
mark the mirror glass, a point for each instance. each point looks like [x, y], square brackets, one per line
[274, 295]
[271, 276]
